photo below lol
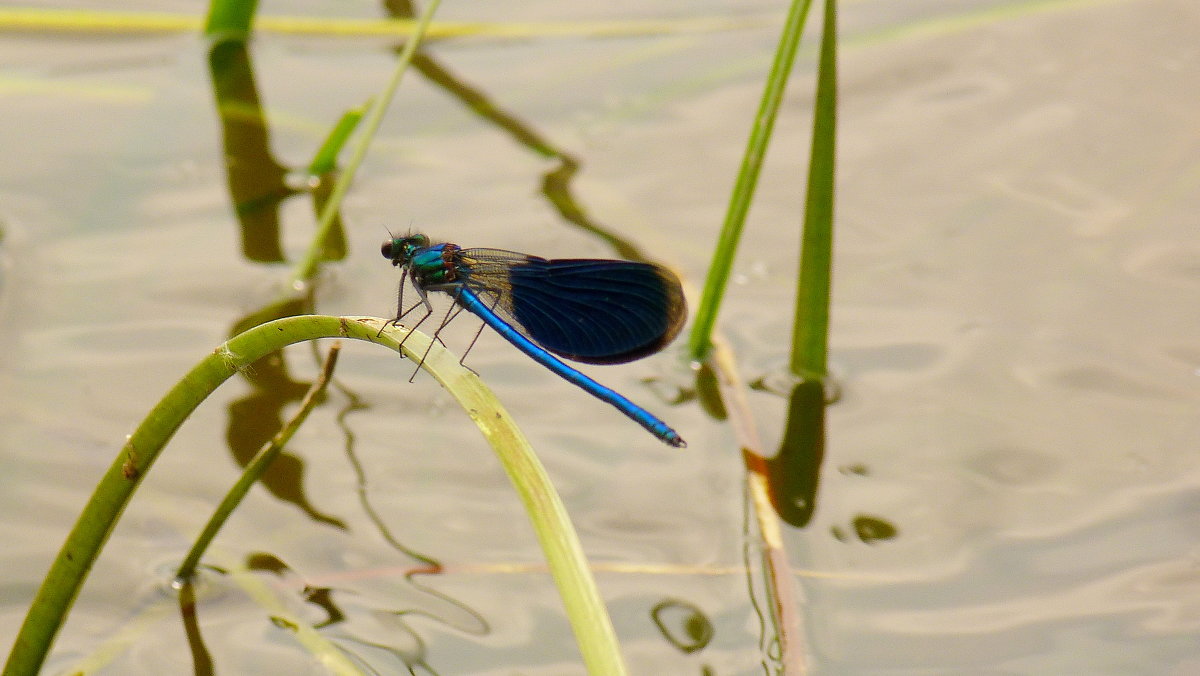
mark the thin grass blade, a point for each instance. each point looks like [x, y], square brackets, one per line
[747, 179]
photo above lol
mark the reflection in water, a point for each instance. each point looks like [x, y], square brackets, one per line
[453, 612]
[379, 658]
[871, 529]
[556, 184]
[256, 180]
[794, 474]
[405, 646]
[867, 529]
[682, 624]
[257, 183]
[322, 597]
[257, 187]
[201, 661]
[708, 391]
[256, 418]
[266, 562]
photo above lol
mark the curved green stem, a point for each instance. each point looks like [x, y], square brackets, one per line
[593, 629]
[254, 469]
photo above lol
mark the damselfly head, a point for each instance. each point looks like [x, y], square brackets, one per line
[399, 250]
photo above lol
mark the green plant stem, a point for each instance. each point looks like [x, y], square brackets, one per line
[311, 262]
[585, 609]
[325, 160]
[747, 180]
[255, 468]
[810, 328]
[230, 19]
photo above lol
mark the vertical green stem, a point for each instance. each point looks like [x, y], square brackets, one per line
[230, 19]
[308, 266]
[743, 191]
[810, 333]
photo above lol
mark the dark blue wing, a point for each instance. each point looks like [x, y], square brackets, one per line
[593, 311]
